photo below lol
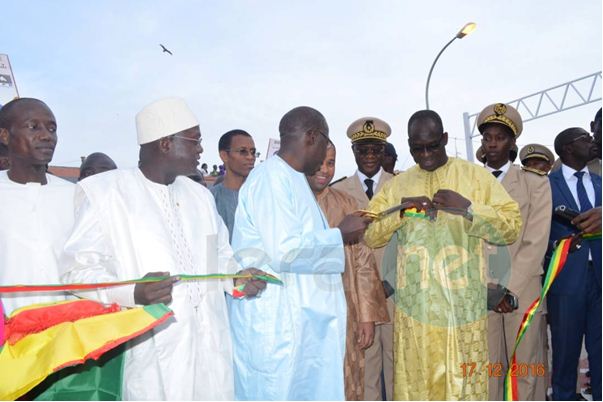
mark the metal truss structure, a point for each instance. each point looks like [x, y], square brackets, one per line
[572, 94]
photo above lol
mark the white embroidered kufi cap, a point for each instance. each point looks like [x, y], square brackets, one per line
[162, 118]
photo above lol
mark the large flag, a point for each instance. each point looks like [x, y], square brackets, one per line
[39, 340]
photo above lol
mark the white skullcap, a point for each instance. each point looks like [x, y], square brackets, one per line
[162, 118]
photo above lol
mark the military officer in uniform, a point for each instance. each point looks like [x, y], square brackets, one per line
[536, 158]
[519, 266]
[369, 136]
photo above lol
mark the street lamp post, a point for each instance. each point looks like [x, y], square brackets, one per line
[465, 30]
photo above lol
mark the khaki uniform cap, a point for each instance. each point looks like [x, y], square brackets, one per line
[503, 114]
[536, 151]
[369, 128]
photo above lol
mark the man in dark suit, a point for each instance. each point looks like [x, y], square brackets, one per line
[574, 301]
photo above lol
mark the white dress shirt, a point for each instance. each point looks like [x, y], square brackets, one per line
[572, 183]
[375, 179]
[504, 169]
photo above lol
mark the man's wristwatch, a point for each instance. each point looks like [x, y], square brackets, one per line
[468, 213]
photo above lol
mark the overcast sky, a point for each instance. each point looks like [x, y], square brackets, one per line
[243, 64]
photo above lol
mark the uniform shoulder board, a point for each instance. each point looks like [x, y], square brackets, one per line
[536, 171]
[338, 180]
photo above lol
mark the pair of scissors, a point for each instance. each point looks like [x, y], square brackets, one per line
[382, 214]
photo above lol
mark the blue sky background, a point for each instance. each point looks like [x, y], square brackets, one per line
[243, 64]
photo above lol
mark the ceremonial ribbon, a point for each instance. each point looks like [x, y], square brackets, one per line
[556, 264]
[414, 213]
[409, 212]
[591, 236]
[148, 279]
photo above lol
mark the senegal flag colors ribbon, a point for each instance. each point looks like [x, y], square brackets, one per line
[148, 279]
[556, 264]
[41, 339]
[409, 212]
[414, 213]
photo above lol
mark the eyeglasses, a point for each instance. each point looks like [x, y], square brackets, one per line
[197, 140]
[427, 148]
[321, 133]
[364, 150]
[325, 136]
[244, 152]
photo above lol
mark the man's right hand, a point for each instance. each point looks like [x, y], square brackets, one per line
[589, 221]
[504, 306]
[352, 228]
[155, 292]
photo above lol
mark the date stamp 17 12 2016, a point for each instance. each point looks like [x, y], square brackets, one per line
[499, 369]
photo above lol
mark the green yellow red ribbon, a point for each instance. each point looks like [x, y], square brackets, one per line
[556, 264]
[148, 279]
[414, 213]
[591, 236]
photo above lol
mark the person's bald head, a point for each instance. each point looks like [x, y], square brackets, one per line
[28, 129]
[96, 163]
[298, 121]
[427, 140]
[10, 111]
[425, 118]
[304, 137]
[574, 146]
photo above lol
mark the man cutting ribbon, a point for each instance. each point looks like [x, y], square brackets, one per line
[150, 220]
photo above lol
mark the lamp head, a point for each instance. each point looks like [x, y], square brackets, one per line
[466, 30]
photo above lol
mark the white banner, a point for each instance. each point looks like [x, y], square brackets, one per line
[273, 146]
[8, 87]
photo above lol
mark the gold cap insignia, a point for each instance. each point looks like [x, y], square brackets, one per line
[369, 126]
[500, 109]
[503, 114]
[530, 149]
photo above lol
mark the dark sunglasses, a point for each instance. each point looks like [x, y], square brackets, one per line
[427, 148]
[588, 138]
[365, 150]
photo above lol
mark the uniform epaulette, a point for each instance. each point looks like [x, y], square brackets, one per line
[338, 180]
[536, 171]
